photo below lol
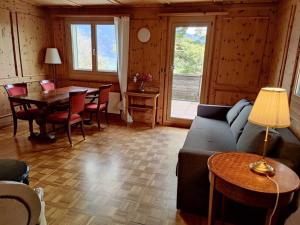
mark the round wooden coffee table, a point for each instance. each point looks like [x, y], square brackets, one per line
[230, 175]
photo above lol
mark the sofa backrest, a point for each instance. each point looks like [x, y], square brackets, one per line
[252, 140]
[233, 113]
[239, 123]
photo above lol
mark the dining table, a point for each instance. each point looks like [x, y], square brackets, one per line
[46, 101]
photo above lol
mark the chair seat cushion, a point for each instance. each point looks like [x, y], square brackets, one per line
[60, 117]
[93, 106]
[25, 115]
[14, 170]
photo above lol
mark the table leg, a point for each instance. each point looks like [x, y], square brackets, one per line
[126, 109]
[41, 121]
[153, 113]
[212, 202]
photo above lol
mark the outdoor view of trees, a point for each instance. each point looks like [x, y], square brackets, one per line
[189, 50]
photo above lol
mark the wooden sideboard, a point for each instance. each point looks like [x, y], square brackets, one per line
[130, 105]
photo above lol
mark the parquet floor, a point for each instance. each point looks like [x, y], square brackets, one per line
[120, 175]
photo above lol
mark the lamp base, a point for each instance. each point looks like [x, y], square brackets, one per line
[262, 168]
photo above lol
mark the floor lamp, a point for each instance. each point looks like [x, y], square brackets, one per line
[270, 110]
[52, 57]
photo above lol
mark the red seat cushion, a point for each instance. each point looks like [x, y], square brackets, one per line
[93, 106]
[60, 117]
[25, 115]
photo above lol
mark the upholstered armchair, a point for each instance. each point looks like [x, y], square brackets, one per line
[21, 205]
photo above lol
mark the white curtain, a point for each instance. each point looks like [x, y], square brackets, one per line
[122, 30]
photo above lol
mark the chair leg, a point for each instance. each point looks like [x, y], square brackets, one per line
[68, 127]
[82, 130]
[53, 127]
[15, 125]
[106, 116]
[30, 127]
[98, 120]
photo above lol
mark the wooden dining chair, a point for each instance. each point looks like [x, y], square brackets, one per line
[47, 85]
[102, 104]
[73, 115]
[20, 111]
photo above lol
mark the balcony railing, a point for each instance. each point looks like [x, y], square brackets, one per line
[186, 87]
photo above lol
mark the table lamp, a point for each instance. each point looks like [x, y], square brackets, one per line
[270, 110]
[52, 57]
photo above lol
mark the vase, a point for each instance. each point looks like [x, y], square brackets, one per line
[142, 88]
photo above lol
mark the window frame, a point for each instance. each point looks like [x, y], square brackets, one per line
[94, 74]
[297, 77]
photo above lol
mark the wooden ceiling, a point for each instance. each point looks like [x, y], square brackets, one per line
[131, 2]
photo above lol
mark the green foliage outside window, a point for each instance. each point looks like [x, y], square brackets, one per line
[189, 50]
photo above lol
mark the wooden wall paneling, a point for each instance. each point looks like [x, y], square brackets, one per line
[7, 60]
[285, 64]
[10, 61]
[163, 72]
[284, 15]
[292, 51]
[242, 53]
[226, 97]
[242, 49]
[34, 39]
[145, 58]
[59, 41]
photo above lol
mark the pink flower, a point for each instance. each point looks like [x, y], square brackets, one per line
[144, 77]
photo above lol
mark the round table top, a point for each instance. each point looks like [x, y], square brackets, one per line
[234, 168]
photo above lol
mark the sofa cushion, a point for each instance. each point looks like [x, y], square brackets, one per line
[239, 123]
[252, 139]
[235, 110]
[210, 135]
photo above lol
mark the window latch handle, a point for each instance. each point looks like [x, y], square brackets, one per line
[94, 51]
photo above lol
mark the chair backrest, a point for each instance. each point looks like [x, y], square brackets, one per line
[104, 93]
[19, 204]
[47, 85]
[16, 89]
[77, 101]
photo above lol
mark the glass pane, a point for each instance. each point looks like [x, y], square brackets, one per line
[107, 57]
[82, 46]
[298, 86]
[188, 63]
[298, 83]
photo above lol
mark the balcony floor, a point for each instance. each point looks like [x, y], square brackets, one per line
[183, 109]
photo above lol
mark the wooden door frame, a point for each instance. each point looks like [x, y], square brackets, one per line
[208, 21]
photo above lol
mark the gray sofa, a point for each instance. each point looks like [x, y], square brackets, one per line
[221, 129]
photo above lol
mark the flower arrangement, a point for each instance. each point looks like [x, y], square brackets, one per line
[140, 77]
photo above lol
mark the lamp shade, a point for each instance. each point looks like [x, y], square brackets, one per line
[271, 108]
[52, 56]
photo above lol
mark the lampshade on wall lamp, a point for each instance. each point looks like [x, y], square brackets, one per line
[52, 56]
[270, 110]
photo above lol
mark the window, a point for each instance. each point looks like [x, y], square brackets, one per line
[94, 47]
[297, 89]
[82, 46]
[106, 48]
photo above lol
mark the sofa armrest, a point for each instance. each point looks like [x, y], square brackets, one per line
[193, 182]
[213, 111]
